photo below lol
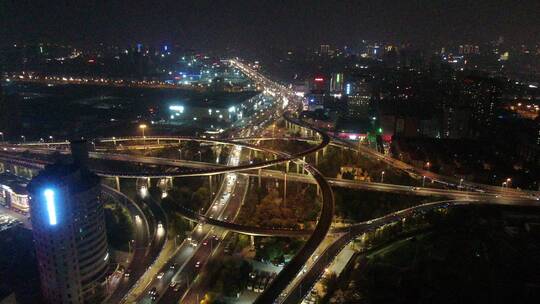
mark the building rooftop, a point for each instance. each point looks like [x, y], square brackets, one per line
[15, 183]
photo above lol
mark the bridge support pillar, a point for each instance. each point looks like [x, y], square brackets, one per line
[318, 189]
[303, 165]
[259, 177]
[117, 180]
[316, 158]
[287, 167]
[252, 239]
[148, 182]
[210, 186]
[285, 190]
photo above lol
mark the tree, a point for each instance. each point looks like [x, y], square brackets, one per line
[330, 282]
[201, 196]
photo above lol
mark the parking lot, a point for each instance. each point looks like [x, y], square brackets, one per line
[259, 280]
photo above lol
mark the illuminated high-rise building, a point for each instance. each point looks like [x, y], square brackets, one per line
[69, 230]
[336, 83]
[325, 49]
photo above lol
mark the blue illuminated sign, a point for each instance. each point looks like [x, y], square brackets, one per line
[50, 200]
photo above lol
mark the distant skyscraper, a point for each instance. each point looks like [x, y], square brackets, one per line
[374, 50]
[469, 49]
[359, 98]
[69, 230]
[336, 83]
[325, 49]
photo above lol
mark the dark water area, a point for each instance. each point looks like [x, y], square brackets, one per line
[72, 111]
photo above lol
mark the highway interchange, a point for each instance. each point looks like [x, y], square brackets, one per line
[177, 276]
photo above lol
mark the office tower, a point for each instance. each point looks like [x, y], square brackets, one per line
[336, 83]
[69, 230]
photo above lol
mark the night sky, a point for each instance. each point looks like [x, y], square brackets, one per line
[258, 24]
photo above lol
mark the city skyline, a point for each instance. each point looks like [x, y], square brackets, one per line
[292, 152]
[259, 25]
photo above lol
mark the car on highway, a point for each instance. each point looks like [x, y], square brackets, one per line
[257, 284]
[227, 248]
[127, 273]
[173, 284]
[263, 284]
[198, 264]
[152, 291]
[160, 225]
[160, 275]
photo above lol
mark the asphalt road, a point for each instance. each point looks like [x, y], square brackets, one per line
[144, 250]
[193, 248]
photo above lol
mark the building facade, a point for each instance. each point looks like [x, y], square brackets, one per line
[69, 230]
[13, 193]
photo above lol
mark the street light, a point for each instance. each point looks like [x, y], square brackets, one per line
[508, 181]
[461, 183]
[23, 138]
[423, 180]
[130, 247]
[200, 156]
[143, 127]
[382, 177]
[2, 134]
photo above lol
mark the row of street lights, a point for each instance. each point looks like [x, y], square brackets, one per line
[23, 138]
[144, 127]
